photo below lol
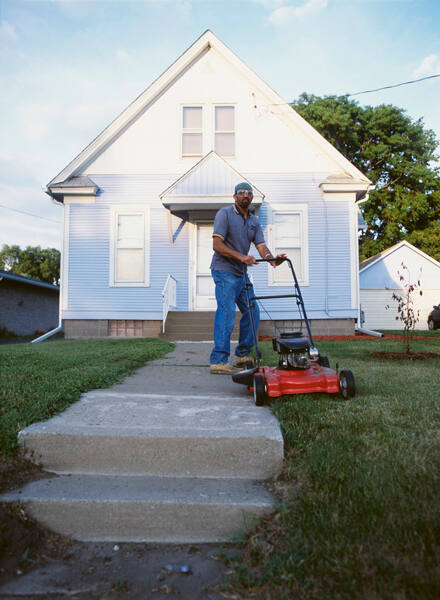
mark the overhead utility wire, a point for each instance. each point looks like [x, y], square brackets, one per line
[388, 87]
[23, 212]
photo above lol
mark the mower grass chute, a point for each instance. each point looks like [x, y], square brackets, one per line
[301, 369]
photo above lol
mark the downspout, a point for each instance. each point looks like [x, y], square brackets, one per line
[368, 331]
[60, 320]
[49, 333]
[363, 199]
[57, 329]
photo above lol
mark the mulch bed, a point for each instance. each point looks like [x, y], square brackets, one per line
[404, 355]
[357, 337]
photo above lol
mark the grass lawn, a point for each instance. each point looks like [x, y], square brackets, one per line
[360, 515]
[39, 380]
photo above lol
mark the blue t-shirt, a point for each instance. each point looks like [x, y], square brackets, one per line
[237, 233]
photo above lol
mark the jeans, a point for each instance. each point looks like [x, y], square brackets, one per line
[230, 291]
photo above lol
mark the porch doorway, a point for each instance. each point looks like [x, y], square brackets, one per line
[204, 289]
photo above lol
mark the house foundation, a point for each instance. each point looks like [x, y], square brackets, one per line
[193, 326]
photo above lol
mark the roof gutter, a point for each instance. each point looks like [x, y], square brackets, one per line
[365, 195]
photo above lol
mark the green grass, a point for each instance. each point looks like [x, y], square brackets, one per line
[360, 516]
[39, 380]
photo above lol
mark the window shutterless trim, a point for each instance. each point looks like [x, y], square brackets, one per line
[129, 209]
[292, 208]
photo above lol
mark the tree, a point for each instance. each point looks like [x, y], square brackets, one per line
[35, 262]
[396, 153]
[406, 309]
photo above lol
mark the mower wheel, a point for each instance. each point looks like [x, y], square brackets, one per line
[346, 384]
[249, 364]
[259, 390]
[324, 361]
[431, 325]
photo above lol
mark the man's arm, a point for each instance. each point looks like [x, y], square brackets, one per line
[219, 246]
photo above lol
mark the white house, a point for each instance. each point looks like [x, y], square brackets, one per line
[380, 279]
[140, 200]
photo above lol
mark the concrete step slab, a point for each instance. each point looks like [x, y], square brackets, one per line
[144, 509]
[113, 432]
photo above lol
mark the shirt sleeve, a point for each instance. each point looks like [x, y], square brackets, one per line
[220, 225]
[259, 236]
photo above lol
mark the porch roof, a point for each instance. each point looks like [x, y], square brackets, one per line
[208, 185]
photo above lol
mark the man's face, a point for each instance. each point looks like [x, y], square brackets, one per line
[243, 198]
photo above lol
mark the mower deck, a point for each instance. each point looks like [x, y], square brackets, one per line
[280, 382]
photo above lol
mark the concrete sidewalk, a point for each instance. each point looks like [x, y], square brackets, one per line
[171, 454]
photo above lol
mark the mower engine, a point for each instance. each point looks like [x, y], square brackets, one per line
[294, 350]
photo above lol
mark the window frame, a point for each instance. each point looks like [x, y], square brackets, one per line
[234, 131]
[129, 209]
[291, 208]
[202, 129]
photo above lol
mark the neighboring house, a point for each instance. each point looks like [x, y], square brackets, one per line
[27, 306]
[140, 200]
[379, 279]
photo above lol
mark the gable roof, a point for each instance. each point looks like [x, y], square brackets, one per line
[203, 44]
[27, 280]
[369, 262]
[209, 183]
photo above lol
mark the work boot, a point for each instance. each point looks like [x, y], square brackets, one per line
[224, 369]
[242, 360]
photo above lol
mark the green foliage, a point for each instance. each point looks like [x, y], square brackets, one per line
[36, 262]
[360, 516]
[396, 153]
[39, 380]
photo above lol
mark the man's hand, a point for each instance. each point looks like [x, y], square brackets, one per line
[278, 259]
[248, 260]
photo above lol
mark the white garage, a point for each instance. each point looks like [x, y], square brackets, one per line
[379, 279]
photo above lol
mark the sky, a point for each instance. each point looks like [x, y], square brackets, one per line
[69, 67]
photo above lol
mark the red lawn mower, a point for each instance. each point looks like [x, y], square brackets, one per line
[301, 369]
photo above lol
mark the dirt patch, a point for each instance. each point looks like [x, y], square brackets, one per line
[17, 470]
[404, 355]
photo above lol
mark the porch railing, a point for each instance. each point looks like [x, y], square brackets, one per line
[168, 298]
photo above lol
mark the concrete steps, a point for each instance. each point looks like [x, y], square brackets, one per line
[144, 509]
[133, 466]
[158, 434]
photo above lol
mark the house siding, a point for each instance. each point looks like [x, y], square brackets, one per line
[89, 253]
[90, 296]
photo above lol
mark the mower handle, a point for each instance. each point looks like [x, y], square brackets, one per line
[278, 261]
[297, 295]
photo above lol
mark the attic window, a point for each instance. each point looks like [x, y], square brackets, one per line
[225, 130]
[192, 137]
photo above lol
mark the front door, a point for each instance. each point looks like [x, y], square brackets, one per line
[204, 290]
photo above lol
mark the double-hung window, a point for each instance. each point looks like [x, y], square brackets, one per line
[289, 235]
[129, 246]
[224, 124]
[192, 131]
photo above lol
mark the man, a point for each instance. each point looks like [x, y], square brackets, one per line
[235, 228]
